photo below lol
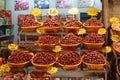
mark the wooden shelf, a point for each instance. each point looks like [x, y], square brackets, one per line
[3, 36]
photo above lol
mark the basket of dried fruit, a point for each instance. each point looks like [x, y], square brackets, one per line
[116, 28]
[29, 24]
[94, 60]
[93, 41]
[19, 59]
[51, 25]
[72, 25]
[48, 42]
[116, 47]
[43, 60]
[92, 25]
[69, 60]
[70, 41]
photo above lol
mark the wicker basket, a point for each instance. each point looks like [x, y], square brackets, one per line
[43, 67]
[92, 28]
[47, 46]
[18, 65]
[116, 51]
[116, 31]
[51, 29]
[70, 67]
[71, 29]
[94, 66]
[93, 45]
[29, 28]
[70, 46]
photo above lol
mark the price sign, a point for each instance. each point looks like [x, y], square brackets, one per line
[5, 68]
[107, 49]
[36, 11]
[53, 12]
[40, 30]
[13, 46]
[115, 38]
[53, 70]
[92, 11]
[57, 48]
[114, 20]
[81, 31]
[102, 31]
[73, 11]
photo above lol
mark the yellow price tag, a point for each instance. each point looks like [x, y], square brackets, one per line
[53, 70]
[53, 12]
[57, 48]
[115, 38]
[92, 11]
[114, 20]
[13, 46]
[5, 68]
[81, 31]
[36, 11]
[107, 49]
[40, 30]
[102, 31]
[73, 11]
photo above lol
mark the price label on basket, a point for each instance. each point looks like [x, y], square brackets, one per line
[13, 46]
[36, 11]
[107, 49]
[114, 20]
[92, 11]
[115, 38]
[53, 12]
[73, 11]
[81, 31]
[53, 70]
[102, 31]
[40, 30]
[57, 48]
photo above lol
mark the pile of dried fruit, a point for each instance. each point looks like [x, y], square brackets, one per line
[94, 57]
[93, 22]
[70, 38]
[69, 58]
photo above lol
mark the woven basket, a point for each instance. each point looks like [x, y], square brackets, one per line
[51, 29]
[18, 65]
[70, 46]
[47, 46]
[116, 51]
[116, 31]
[43, 67]
[29, 28]
[71, 29]
[93, 45]
[94, 66]
[70, 67]
[92, 28]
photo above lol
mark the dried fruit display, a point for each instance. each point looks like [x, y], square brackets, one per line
[94, 57]
[47, 39]
[70, 38]
[69, 58]
[20, 56]
[43, 58]
[93, 22]
[93, 38]
[51, 22]
[73, 22]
